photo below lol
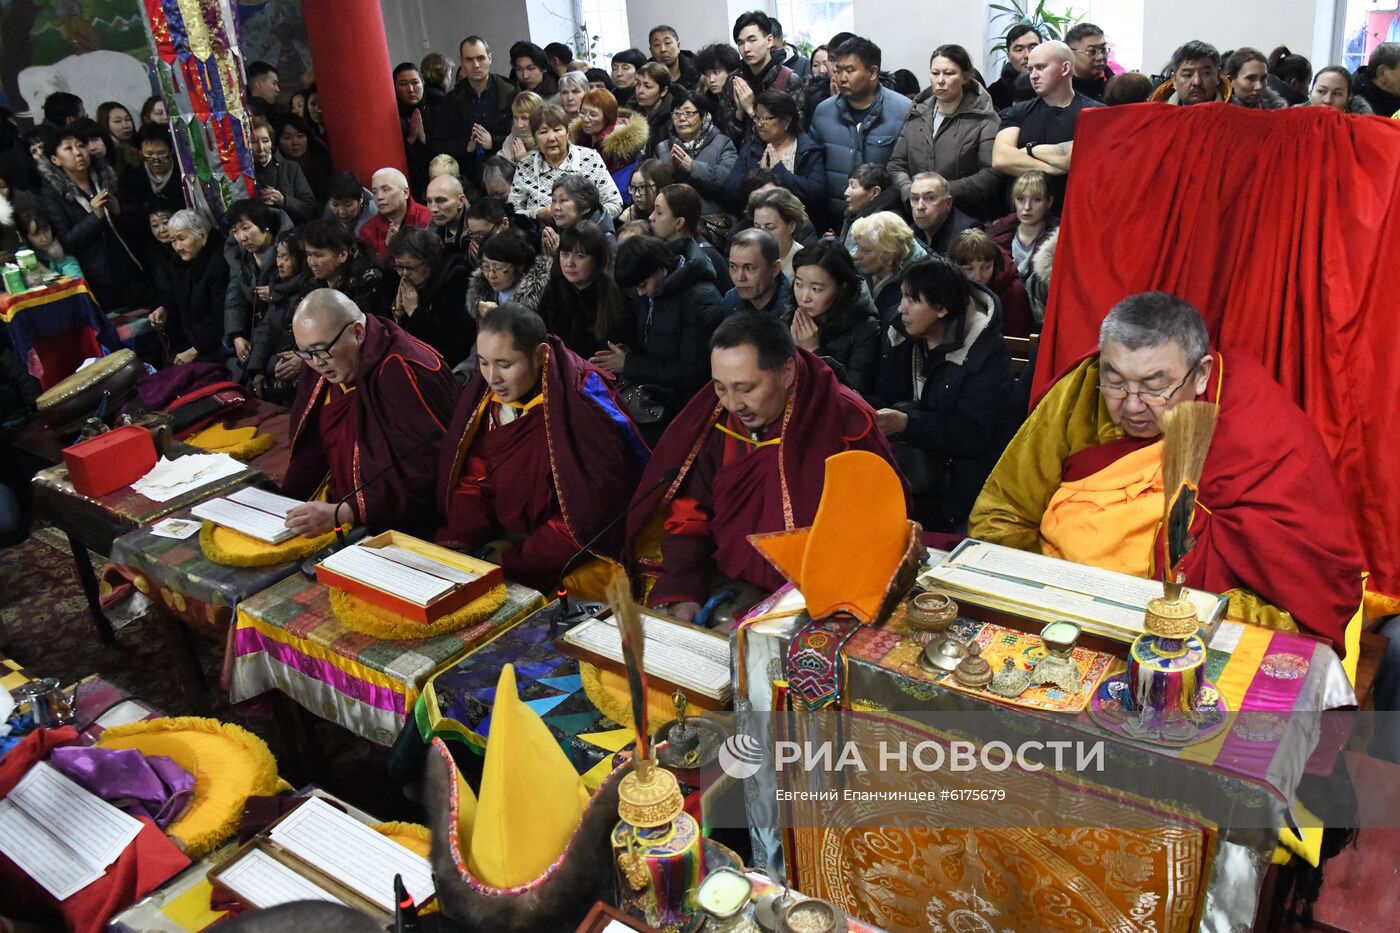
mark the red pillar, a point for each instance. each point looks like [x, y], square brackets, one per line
[355, 83]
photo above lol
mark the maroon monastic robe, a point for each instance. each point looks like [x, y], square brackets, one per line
[384, 433]
[730, 487]
[548, 481]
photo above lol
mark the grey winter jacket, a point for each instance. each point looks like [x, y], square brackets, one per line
[286, 176]
[961, 151]
[848, 145]
[714, 156]
[245, 274]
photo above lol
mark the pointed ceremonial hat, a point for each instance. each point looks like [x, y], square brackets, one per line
[531, 798]
[848, 559]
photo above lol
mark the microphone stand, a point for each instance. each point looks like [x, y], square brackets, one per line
[567, 612]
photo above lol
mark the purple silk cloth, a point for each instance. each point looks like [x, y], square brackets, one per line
[157, 390]
[151, 786]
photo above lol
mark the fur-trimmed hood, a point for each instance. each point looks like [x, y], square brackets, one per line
[620, 143]
[100, 174]
[528, 290]
[1044, 259]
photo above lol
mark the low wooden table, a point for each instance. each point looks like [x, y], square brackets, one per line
[94, 524]
[194, 596]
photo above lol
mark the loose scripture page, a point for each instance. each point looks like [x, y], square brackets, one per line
[252, 522]
[41, 856]
[262, 882]
[264, 501]
[62, 835]
[1036, 580]
[353, 854]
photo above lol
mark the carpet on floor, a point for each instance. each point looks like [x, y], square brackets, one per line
[46, 627]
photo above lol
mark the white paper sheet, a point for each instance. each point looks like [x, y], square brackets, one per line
[684, 655]
[367, 566]
[252, 522]
[264, 501]
[60, 834]
[402, 555]
[350, 852]
[41, 856]
[94, 829]
[171, 478]
[262, 881]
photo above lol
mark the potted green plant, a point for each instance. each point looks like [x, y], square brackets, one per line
[1047, 22]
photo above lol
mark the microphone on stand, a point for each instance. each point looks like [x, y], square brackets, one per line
[567, 612]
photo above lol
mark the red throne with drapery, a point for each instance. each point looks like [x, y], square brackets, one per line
[1283, 228]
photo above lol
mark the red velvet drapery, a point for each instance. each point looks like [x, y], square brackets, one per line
[1283, 228]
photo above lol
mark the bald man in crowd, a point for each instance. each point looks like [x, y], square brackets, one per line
[447, 206]
[397, 209]
[367, 423]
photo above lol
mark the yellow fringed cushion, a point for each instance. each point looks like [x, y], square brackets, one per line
[229, 764]
[240, 443]
[531, 798]
[609, 692]
[234, 549]
[368, 619]
[415, 837]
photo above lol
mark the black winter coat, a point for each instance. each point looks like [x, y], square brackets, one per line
[94, 241]
[955, 425]
[672, 346]
[808, 182]
[362, 280]
[441, 319]
[850, 342]
[196, 304]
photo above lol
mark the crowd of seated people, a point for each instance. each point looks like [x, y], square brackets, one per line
[895, 233]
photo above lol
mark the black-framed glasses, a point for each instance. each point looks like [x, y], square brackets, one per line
[321, 354]
[1150, 397]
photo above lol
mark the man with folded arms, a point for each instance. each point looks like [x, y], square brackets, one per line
[541, 455]
[367, 422]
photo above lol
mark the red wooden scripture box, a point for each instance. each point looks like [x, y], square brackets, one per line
[454, 599]
[108, 462]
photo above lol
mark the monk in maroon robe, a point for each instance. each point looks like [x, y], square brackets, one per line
[367, 422]
[542, 456]
[751, 451]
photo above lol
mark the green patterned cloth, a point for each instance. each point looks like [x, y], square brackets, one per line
[286, 638]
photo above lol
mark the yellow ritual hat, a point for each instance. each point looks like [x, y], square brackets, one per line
[848, 561]
[532, 799]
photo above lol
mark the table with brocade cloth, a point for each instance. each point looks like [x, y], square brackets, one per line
[54, 328]
[94, 523]
[194, 595]
[455, 704]
[287, 639]
[1192, 869]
